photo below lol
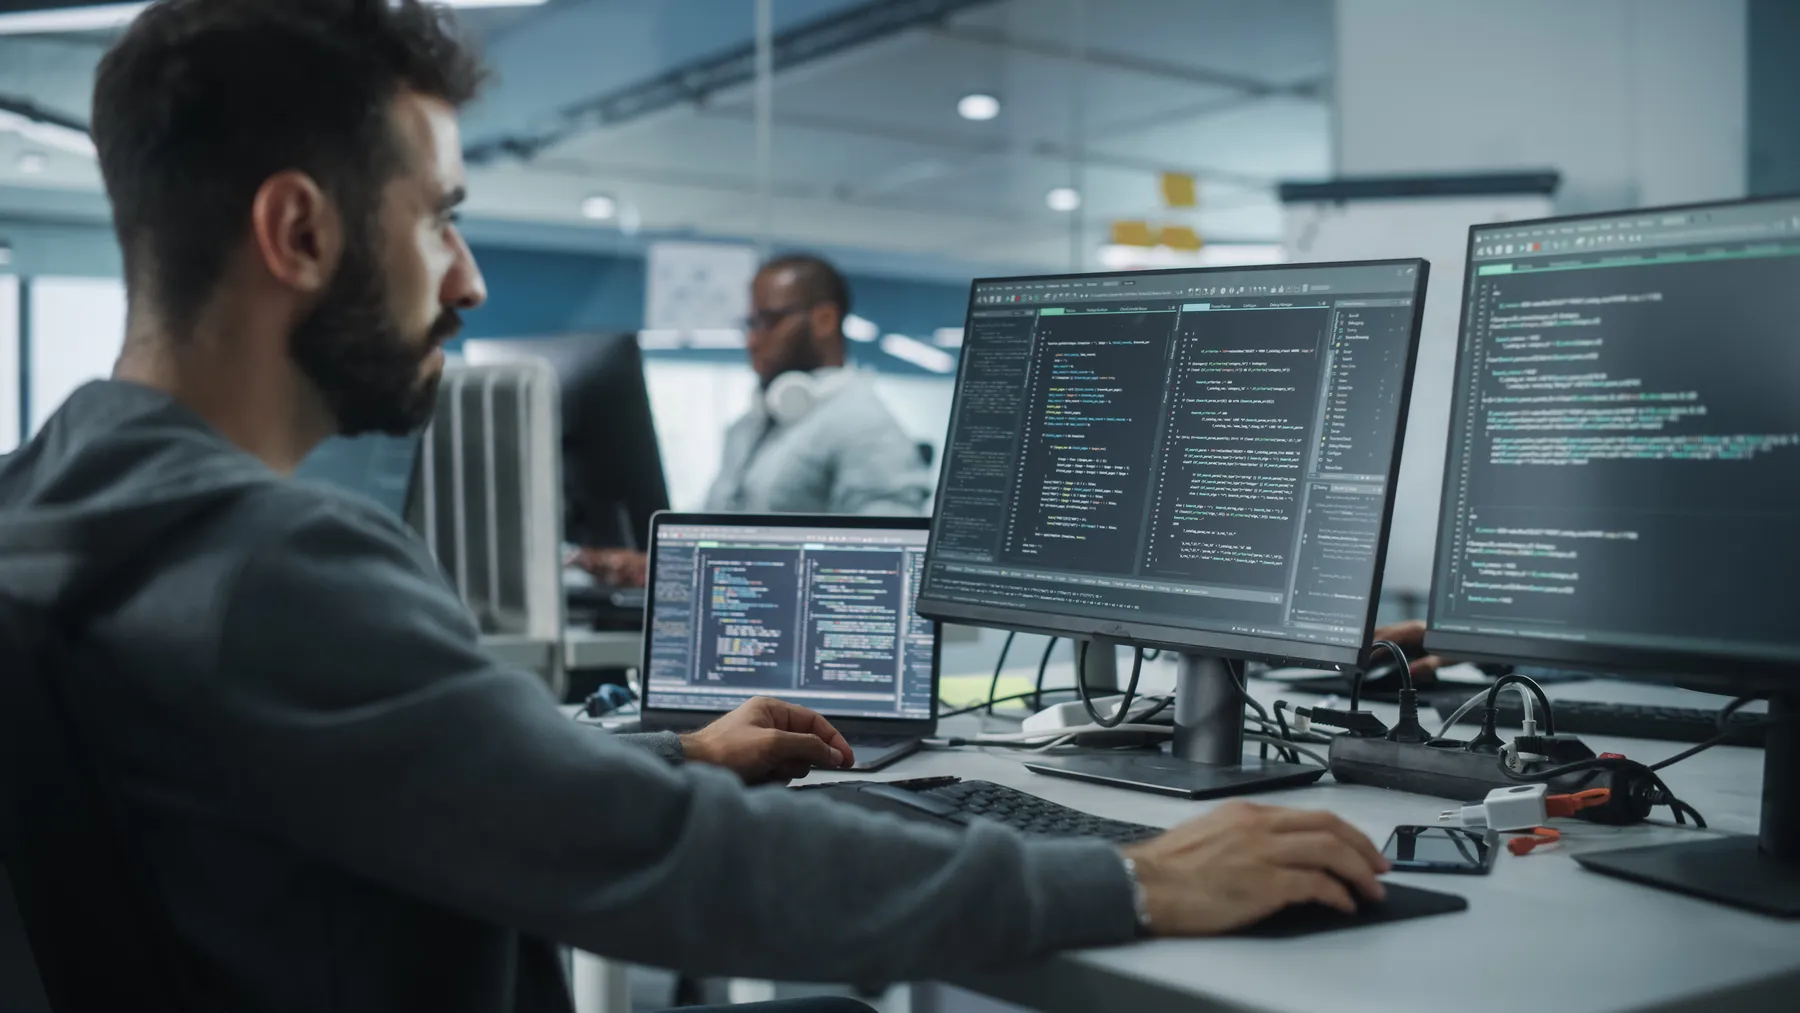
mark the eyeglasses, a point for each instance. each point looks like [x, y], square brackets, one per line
[764, 320]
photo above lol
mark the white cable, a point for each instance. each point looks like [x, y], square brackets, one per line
[1468, 705]
[1525, 696]
[1064, 733]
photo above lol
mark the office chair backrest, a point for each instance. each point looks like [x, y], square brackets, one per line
[99, 937]
[77, 894]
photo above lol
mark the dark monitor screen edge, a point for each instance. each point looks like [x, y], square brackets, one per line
[1622, 490]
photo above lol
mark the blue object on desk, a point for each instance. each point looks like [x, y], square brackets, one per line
[608, 698]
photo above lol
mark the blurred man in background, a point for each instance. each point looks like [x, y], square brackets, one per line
[818, 439]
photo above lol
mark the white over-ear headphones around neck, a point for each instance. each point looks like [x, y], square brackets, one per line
[792, 396]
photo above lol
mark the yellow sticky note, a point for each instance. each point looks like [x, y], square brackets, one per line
[1179, 190]
[1132, 234]
[1180, 237]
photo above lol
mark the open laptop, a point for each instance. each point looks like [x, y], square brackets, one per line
[817, 611]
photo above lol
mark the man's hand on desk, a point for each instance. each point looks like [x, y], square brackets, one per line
[767, 741]
[1410, 636]
[618, 567]
[1243, 862]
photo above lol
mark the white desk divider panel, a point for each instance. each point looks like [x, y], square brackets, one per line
[489, 503]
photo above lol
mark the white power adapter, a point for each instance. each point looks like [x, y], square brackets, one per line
[1068, 715]
[1521, 807]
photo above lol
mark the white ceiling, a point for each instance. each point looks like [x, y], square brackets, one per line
[869, 152]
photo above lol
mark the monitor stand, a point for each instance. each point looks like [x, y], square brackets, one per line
[1760, 873]
[1206, 757]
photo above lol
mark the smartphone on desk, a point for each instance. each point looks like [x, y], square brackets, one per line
[1442, 849]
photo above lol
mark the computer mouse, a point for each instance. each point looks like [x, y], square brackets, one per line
[1402, 903]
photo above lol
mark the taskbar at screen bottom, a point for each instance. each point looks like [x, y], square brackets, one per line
[672, 698]
[1300, 648]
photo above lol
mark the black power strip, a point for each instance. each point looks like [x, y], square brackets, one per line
[1448, 770]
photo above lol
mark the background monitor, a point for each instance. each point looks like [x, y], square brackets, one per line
[1622, 490]
[613, 480]
[612, 465]
[1200, 460]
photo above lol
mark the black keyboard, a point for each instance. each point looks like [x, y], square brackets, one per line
[953, 800]
[1625, 720]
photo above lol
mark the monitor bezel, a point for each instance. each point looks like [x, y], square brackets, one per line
[687, 717]
[1689, 667]
[1161, 635]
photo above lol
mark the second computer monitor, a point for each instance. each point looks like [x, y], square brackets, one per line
[612, 465]
[1200, 460]
[1623, 484]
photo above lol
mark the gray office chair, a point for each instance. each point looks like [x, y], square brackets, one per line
[20, 989]
[99, 937]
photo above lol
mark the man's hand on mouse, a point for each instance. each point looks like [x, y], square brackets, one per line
[1410, 636]
[1243, 862]
[769, 742]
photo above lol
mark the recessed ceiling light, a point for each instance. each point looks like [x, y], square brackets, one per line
[1063, 198]
[599, 208]
[33, 162]
[106, 17]
[53, 135]
[978, 106]
[918, 353]
[858, 329]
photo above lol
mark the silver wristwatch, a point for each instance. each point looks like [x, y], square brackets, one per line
[1140, 899]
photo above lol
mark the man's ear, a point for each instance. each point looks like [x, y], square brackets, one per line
[827, 320]
[296, 231]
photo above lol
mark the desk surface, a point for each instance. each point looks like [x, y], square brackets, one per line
[1540, 931]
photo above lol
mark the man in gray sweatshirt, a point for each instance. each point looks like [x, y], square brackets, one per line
[339, 801]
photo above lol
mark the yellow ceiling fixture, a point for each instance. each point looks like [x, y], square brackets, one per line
[1135, 233]
[1179, 190]
[1180, 237]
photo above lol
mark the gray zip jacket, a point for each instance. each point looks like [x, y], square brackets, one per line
[346, 805]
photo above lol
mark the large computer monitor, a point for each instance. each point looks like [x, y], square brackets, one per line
[1197, 460]
[1622, 490]
[613, 480]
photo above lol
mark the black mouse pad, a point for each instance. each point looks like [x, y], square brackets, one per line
[1403, 902]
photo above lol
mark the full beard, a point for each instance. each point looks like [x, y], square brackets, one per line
[367, 370]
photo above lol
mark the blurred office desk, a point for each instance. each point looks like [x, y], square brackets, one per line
[584, 649]
[1539, 931]
[522, 650]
